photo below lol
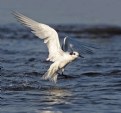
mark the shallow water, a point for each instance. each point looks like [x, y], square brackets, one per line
[93, 83]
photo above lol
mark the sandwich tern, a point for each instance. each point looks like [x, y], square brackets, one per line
[61, 56]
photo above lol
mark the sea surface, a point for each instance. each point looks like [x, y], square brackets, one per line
[92, 84]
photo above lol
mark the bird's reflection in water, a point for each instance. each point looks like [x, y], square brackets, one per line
[59, 95]
[56, 97]
[47, 111]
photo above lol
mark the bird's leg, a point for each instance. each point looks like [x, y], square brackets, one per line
[62, 73]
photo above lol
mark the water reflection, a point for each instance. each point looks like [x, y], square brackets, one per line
[46, 111]
[55, 99]
[58, 95]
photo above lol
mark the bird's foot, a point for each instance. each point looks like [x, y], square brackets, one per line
[64, 75]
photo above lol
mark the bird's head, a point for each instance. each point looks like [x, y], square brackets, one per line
[75, 54]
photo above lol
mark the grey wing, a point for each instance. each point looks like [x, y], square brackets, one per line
[70, 44]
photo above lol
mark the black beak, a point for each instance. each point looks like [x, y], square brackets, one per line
[81, 56]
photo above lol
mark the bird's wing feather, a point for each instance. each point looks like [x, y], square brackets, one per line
[42, 31]
[82, 47]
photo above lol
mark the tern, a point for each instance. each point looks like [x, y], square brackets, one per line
[61, 56]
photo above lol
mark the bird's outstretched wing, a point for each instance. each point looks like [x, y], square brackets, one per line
[70, 44]
[48, 34]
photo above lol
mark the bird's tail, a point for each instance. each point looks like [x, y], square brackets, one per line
[51, 74]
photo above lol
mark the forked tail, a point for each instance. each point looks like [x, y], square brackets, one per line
[52, 74]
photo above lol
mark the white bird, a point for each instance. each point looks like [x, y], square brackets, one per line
[60, 56]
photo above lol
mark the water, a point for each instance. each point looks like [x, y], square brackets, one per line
[93, 84]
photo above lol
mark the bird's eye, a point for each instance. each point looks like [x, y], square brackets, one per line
[74, 54]
[71, 53]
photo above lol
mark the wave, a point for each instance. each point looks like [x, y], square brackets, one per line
[18, 31]
[97, 29]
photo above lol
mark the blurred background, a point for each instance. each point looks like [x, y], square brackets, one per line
[92, 85]
[64, 12]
